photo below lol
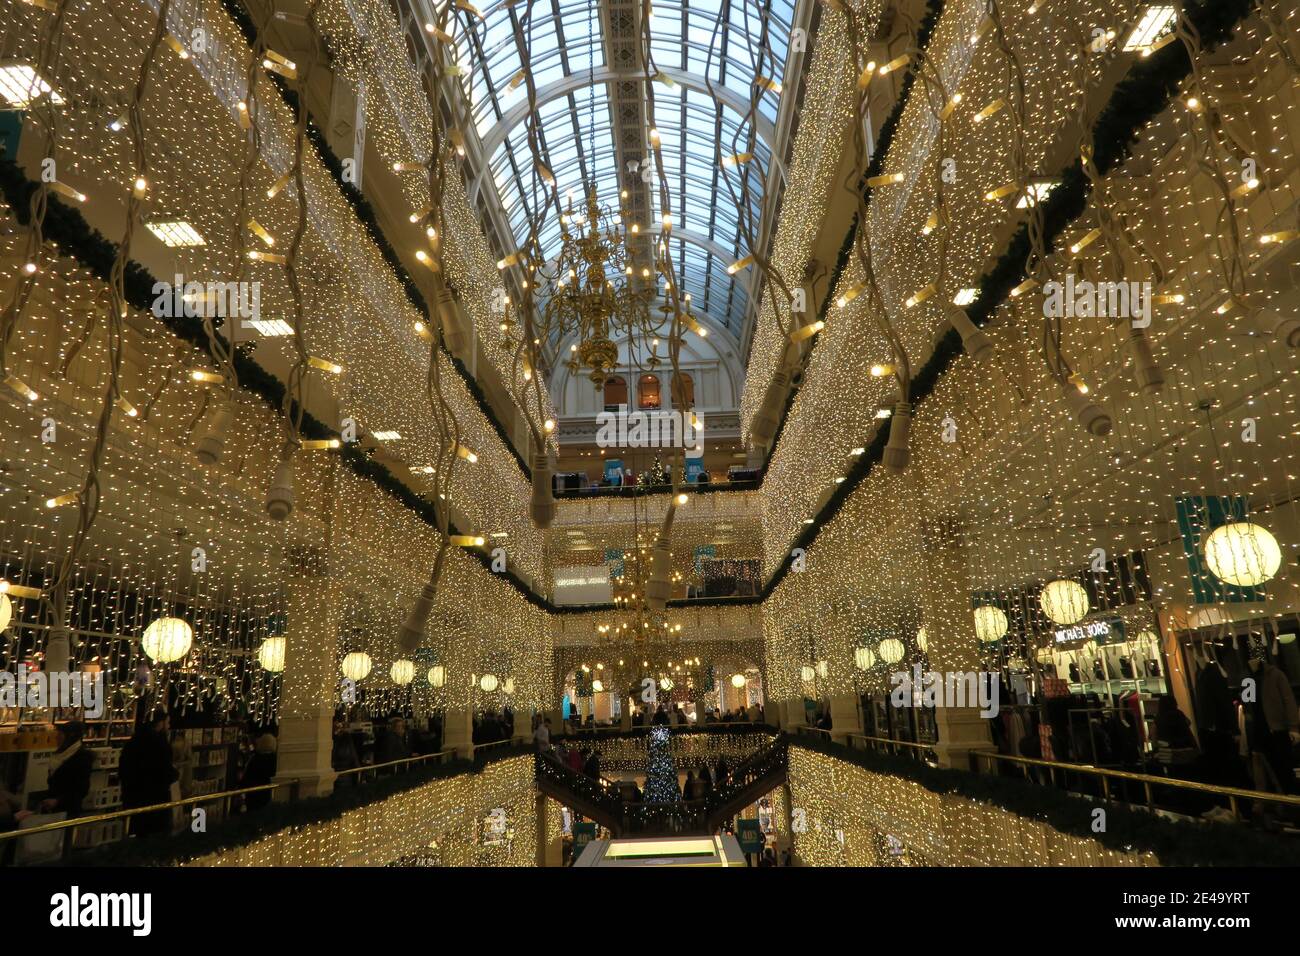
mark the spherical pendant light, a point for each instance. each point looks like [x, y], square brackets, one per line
[666, 683]
[598, 686]
[807, 673]
[6, 611]
[167, 639]
[271, 654]
[823, 668]
[864, 658]
[356, 666]
[402, 672]
[437, 675]
[1064, 602]
[488, 683]
[1243, 554]
[921, 639]
[737, 681]
[990, 623]
[509, 685]
[891, 650]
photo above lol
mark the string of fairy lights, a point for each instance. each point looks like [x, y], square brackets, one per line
[1020, 470]
[844, 815]
[960, 527]
[163, 389]
[486, 818]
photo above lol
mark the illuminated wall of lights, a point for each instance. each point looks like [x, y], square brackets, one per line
[453, 817]
[843, 815]
[1005, 489]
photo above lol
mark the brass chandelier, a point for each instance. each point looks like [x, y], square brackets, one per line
[594, 293]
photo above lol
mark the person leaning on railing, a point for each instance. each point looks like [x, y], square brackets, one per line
[147, 774]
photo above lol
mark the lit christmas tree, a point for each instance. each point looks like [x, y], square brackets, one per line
[661, 771]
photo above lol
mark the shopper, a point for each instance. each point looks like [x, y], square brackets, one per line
[542, 734]
[260, 771]
[344, 756]
[392, 744]
[69, 772]
[147, 774]
[720, 771]
[1276, 719]
[592, 767]
[1172, 725]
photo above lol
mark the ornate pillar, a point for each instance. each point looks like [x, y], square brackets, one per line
[846, 717]
[311, 679]
[952, 646]
[458, 715]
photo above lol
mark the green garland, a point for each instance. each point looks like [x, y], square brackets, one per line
[1174, 843]
[246, 828]
[1141, 96]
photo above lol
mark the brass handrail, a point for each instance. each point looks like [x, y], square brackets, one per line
[1147, 780]
[135, 811]
[202, 798]
[893, 743]
[1106, 774]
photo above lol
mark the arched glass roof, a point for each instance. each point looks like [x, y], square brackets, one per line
[576, 121]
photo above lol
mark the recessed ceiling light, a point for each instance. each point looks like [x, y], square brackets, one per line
[1039, 190]
[271, 328]
[21, 85]
[1154, 22]
[386, 436]
[176, 233]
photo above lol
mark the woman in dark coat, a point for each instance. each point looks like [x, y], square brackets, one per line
[70, 768]
[260, 771]
[147, 775]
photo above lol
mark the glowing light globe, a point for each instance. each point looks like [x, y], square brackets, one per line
[6, 611]
[271, 654]
[437, 675]
[891, 650]
[402, 672]
[1243, 554]
[666, 683]
[598, 686]
[823, 668]
[1064, 602]
[509, 685]
[807, 672]
[356, 666]
[167, 639]
[864, 658]
[990, 623]
[922, 641]
[738, 681]
[488, 683]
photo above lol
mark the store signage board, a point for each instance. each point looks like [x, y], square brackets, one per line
[583, 833]
[750, 835]
[1106, 630]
